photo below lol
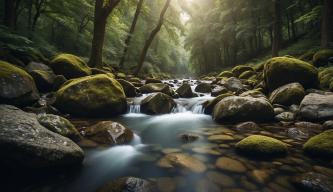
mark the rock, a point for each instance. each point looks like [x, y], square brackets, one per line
[233, 84]
[92, 96]
[326, 77]
[260, 176]
[226, 74]
[292, 70]
[247, 74]
[206, 150]
[70, 66]
[238, 70]
[96, 71]
[209, 105]
[313, 182]
[156, 87]
[109, 133]
[321, 58]
[17, 87]
[217, 138]
[297, 133]
[59, 125]
[250, 126]
[128, 184]
[261, 146]
[320, 145]
[120, 75]
[188, 137]
[287, 95]
[185, 91]
[240, 109]
[157, 103]
[219, 91]
[308, 125]
[59, 80]
[315, 107]
[285, 116]
[151, 80]
[328, 125]
[203, 88]
[43, 79]
[129, 88]
[26, 143]
[220, 179]
[228, 164]
[278, 110]
[253, 93]
[37, 66]
[175, 160]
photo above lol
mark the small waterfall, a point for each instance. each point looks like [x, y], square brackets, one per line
[134, 108]
[179, 109]
[198, 109]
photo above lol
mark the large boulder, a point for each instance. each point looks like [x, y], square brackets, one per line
[157, 103]
[130, 90]
[240, 109]
[287, 95]
[156, 87]
[17, 87]
[210, 104]
[233, 84]
[26, 143]
[263, 146]
[109, 133]
[92, 96]
[238, 70]
[323, 57]
[284, 70]
[185, 91]
[316, 107]
[44, 80]
[326, 77]
[320, 145]
[203, 88]
[70, 66]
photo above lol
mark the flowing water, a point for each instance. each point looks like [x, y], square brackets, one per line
[158, 135]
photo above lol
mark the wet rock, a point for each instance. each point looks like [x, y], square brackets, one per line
[247, 126]
[206, 185]
[188, 137]
[315, 107]
[285, 116]
[157, 103]
[292, 70]
[59, 125]
[278, 110]
[217, 138]
[253, 93]
[220, 179]
[70, 66]
[128, 184]
[297, 133]
[151, 80]
[203, 88]
[218, 91]
[156, 87]
[320, 145]
[238, 70]
[176, 160]
[92, 96]
[240, 109]
[185, 91]
[109, 133]
[228, 164]
[308, 125]
[26, 143]
[37, 66]
[233, 84]
[287, 95]
[17, 87]
[328, 125]
[226, 74]
[260, 176]
[313, 182]
[261, 146]
[206, 150]
[209, 105]
[129, 88]
[44, 80]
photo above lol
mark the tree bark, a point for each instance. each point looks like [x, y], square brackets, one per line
[276, 28]
[130, 34]
[151, 38]
[101, 15]
[326, 24]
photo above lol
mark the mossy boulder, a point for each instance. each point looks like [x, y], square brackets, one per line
[256, 93]
[261, 146]
[284, 70]
[59, 125]
[247, 74]
[226, 74]
[326, 77]
[130, 90]
[287, 95]
[238, 70]
[320, 145]
[203, 88]
[241, 109]
[157, 103]
[17, 87]
[92, 96]
[323, 57]
[156, 87]
[70, 66]
[185, 91]
[209, 105]
[44, 80]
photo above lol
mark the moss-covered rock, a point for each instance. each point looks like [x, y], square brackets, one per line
[320, 145]
[17, 87]
[321, 58]
[70, 66]
[226, 74]
[157, 103]
[156, 87]
[240, 109]
[152, 80]
[287, 95]
[247, 74]
[59, 125]
[130, 90]
[92, 96]
[283, 70]
[256, 93]
[185, 91]
[238, 70]
[263, 146]
[326, 77]
[203, 88]
[44, 80]
[209, 105]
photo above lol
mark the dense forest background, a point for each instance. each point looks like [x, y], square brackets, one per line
[196, 36]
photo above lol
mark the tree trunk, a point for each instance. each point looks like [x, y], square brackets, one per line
[9, 15]
[151, 37]
[130, 34]
[276, 28]
[326, 36]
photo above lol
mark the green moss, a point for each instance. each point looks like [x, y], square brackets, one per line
[320, 145]
[287, 95]
[321, 57]
[226, 74]
[70, 66]
[262, 146]
[238, 70]
[7, 70]
[247, 75]
[283, 70]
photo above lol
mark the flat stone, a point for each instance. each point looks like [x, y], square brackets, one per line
[220, 179]
[175, 160]
[206, 150]
[221, 138]
[229, 164]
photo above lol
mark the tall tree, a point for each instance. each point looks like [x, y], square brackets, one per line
[326, 23]
[130, 33]
[10, 15]
[102, 11]
[151, 37]
[277, 25]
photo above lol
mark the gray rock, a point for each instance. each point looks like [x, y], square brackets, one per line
[315, 107]
[233, 84]
[285, 116]
[313, 182]
[157, 103]
[185, 91]
[287, 95]
[328, 125]
[203, 88]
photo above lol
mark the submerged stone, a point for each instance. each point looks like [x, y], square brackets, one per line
[228, 164]
[184, 161]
